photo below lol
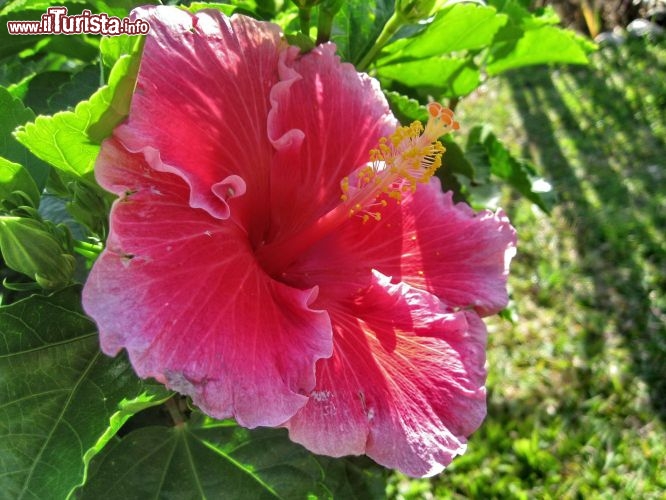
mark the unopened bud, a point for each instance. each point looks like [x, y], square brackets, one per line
[27, 246]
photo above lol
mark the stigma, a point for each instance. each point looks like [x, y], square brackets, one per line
[409, 156]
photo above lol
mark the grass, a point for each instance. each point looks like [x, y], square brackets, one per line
[577, 385]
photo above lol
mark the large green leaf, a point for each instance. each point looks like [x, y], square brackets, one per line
[61, 139]
[69, 140]
[61, 399]
[542, 45]
[13, 114]
[450, 76]
[211, 459]
[521, 19]
[533, 38]
[455, 28]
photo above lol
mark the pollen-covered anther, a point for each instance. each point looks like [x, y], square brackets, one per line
[408, 157]
[440, 121]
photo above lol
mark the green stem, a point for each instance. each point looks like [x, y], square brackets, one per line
[327, 12]
[390, 28]
[304, 18]
[324, 27]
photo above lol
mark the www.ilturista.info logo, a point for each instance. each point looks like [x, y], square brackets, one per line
[56, 21]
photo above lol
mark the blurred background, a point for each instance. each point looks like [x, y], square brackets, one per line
[577, 378]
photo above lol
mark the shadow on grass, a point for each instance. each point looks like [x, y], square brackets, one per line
[601, 138]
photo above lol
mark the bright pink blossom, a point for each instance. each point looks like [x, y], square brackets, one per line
[263, 260]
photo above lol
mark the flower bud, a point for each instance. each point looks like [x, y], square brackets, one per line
[29, 247]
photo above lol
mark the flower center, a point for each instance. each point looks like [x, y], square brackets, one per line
[409, 156]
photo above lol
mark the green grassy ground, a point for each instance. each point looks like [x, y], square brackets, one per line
[577, 386]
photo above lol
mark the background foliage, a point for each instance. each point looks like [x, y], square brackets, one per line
[577, 373]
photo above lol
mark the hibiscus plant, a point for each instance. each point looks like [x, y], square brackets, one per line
[239, 254]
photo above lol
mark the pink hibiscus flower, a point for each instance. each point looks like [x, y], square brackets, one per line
[273, 257]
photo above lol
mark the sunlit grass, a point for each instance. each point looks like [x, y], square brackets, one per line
[577, 386]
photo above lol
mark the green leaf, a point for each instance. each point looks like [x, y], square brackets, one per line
[115, 99]
[80, 47]
[11, 45]
[61, 399]
[210, 459]
[353, 478]
[358, 24]
[69, 140]
[42, 86]
[13, 114]
[118, 8]
[521, 19]
[61, 139]
[405, 108]
[19, 89]
[13, 177]
[456, 28]
[454, 158]
[545, 44]
[483, 147]
[451, 76]
[77, 88]
[113, 47]
[451, 183]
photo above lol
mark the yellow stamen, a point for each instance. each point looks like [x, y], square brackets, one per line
[408, 157]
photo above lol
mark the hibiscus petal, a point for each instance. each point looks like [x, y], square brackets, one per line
[428, 242]
[405, 384]
[202, 103]
[181, 291]
[325, 118]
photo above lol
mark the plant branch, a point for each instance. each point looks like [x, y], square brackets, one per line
[390, 28]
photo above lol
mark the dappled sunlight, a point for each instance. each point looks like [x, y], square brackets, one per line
[576, 386]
